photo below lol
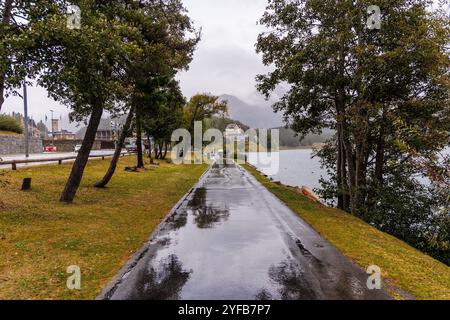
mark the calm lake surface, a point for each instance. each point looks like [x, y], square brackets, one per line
[297, 168]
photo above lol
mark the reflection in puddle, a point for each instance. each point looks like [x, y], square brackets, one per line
[206, 215]
[291, 281]
[177, 221]
[163, 282]
[199, 198]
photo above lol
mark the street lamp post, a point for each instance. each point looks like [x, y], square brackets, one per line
[51, 124]
[110, 129]
[25, 111]
[115, 131]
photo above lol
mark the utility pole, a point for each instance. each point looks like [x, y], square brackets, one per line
[25, 107]
[110, 129]
[51, 124]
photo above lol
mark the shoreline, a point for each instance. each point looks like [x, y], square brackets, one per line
[297, 148]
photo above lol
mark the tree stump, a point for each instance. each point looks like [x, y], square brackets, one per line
[26, 185]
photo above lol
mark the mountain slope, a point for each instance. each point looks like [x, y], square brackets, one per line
[288, 138]
[255, 116]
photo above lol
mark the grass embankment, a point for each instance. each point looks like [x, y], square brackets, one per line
[403, 266]
[40, 237]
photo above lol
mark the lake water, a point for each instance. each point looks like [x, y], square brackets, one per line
[298, 168]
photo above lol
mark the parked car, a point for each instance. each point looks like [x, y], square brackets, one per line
[77, 148]
[50, 148]
[131, 147]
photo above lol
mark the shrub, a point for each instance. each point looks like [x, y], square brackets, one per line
[8, 123]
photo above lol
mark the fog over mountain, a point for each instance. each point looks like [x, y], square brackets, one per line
[258, 115]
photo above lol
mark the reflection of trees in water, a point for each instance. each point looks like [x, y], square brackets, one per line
[163, 282]
[199, 198]
[205, 218]
[291, 281]
[206, 215]
[178, 220]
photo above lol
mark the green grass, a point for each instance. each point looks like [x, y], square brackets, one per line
[406, 270]
[40, 237]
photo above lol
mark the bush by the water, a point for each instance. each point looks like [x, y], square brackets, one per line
[403, 206]
[8, 123]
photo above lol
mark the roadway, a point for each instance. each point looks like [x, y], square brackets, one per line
[50, 155]
[231, 239]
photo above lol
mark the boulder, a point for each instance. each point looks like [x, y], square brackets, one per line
[307, 192]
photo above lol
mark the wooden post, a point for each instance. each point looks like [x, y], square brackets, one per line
[14, 166]
[60, 162]
[26, 185]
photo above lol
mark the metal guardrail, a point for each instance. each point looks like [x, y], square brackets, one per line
[60, 160]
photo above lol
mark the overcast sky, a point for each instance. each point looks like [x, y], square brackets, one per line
[225, 62]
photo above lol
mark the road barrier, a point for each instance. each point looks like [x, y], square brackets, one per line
[60, 160]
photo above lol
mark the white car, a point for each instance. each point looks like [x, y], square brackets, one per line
[77, 148]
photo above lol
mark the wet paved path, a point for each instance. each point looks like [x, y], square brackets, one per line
[232, 239]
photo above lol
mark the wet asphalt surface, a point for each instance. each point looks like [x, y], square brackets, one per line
[231, 239]
[43, 156]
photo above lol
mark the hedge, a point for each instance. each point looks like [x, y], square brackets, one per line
[8, 123]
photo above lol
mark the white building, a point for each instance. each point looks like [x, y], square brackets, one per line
[234, 132]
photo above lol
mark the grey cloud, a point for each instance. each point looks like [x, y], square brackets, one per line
[225, 62]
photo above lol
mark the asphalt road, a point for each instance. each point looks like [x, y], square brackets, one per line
[43, 156]
[231, 239]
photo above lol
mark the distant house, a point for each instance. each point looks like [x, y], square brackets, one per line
[234, 132]
[33, 130]
[64, 135]
[107, 129]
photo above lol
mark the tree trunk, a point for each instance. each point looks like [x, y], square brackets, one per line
[2, 90]
[361, 146]
[360, 191]
[160, 152]
[360, 124]
[343, 192]
[379, 164]
[82, 159]
[140, 155]
[6, 18]
[165, 151]
[149, 147]
[341, 120]
[351, 168]
[340, 101]
[157, 148]
[113, 165]
[340, 164]
[340, 194]
[345, 179]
